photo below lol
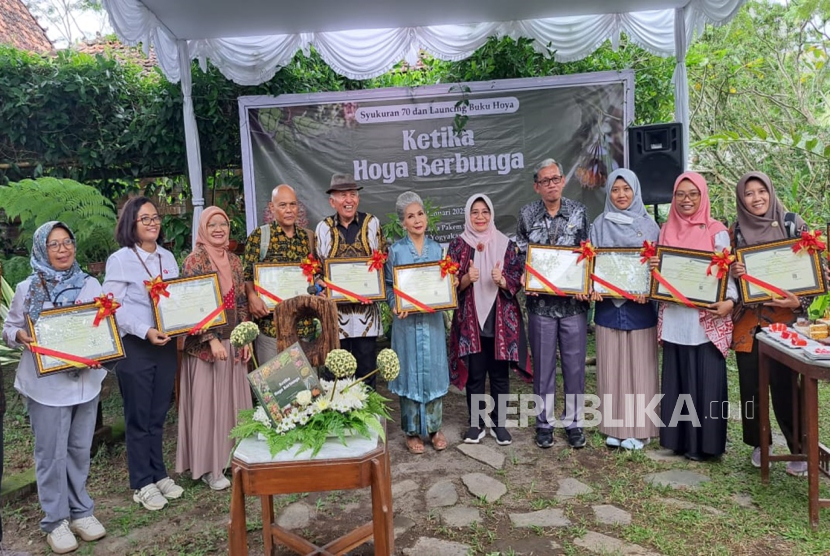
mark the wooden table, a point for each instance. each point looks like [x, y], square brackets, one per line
[816, 454]
[363, 463]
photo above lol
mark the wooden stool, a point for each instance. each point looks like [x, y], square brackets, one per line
[364, 462]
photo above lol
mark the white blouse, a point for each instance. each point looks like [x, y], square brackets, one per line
[681, 324]
[60, 389]
[125, 276]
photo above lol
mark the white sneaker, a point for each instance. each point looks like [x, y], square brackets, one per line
[150, 498]
[216, 482]
[88, 528]
[61, 540]
[169, 489]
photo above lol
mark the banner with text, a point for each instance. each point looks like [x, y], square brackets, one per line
[394, 140]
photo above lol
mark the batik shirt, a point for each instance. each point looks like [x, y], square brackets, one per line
[281, 249]
[359, 239]
[568, 228]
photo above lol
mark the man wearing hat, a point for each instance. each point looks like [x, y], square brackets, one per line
[349, 233]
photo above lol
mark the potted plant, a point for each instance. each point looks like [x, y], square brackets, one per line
[94, 250]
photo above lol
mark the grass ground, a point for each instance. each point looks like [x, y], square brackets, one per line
[776, 522]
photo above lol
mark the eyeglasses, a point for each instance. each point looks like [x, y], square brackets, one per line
[691, 195]
[214, 225]
[69, 243]
[556, 180]
[148, 220]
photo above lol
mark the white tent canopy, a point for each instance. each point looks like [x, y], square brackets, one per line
[250, 40]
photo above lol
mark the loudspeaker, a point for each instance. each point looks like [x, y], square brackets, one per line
[655, 154]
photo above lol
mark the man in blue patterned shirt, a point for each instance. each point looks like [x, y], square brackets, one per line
[555, 220]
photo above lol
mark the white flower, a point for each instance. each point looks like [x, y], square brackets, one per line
[261, 416]
[303, 398]
[322, 404]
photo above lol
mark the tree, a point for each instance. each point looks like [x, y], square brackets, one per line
[760, 101]
[69, 21]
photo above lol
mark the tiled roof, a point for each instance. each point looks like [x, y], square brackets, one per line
[20, 29]
[111, 47]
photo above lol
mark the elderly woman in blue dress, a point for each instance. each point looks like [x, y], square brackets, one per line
[418, 338]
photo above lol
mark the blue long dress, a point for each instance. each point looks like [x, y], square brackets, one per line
[420, 342]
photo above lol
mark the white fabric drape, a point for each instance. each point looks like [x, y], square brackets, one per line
[362, 54]
[681, 82]
[191, 137]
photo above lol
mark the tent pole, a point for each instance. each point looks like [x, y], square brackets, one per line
[191, 136]
[681, 81]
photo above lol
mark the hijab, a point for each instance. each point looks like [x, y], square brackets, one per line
[624, 228]
[60, 287]
[696, 231]
[218, 254]
[489, 248]
[770, 226]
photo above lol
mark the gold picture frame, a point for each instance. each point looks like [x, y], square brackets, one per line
[558, 260]
[191, 300]
[775, 259]
[631, 269]
[70, 330]
[292, 281]
[423, 282]
[347, 273]
[685, 264]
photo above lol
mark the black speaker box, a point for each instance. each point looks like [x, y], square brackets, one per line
[655, 154]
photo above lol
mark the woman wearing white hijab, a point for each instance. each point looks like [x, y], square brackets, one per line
[626, 331]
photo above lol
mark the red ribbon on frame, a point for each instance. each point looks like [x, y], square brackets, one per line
[586, 251]
[721, 261]
[448, 266]
[156, 288]
[107, 305]
[74, 360]
[648, 251]
[675, 294]
[613, 288]
[810, 242]
[764, 285]
[227, 303]
[351, 296]
[266, 293]
[421, 306]
[545, 282]
[311, 267]
[377, 260]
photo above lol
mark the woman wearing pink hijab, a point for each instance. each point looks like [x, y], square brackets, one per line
[695, 341]
[214, 385]
[486, 327]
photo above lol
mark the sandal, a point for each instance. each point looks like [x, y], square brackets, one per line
[414, 444]
[439, 441]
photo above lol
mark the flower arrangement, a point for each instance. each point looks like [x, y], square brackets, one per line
[244, 334]
[344, 405]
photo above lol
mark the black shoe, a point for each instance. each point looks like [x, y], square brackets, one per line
[695, 456]
[544, 438]
[501, 435]
[474, 435]
[576, 438]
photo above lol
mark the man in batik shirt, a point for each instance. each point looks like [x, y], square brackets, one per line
[555, 220]
[281, 241]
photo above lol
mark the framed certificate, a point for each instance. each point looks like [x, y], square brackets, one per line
[284, 280]
[423, 282]
[354, 276]
[559, 267]
[685, 270]
[191, 300]
[776, 264]
[70, 330]
[621, 268]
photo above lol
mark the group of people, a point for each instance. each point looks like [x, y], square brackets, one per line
[487, 334]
